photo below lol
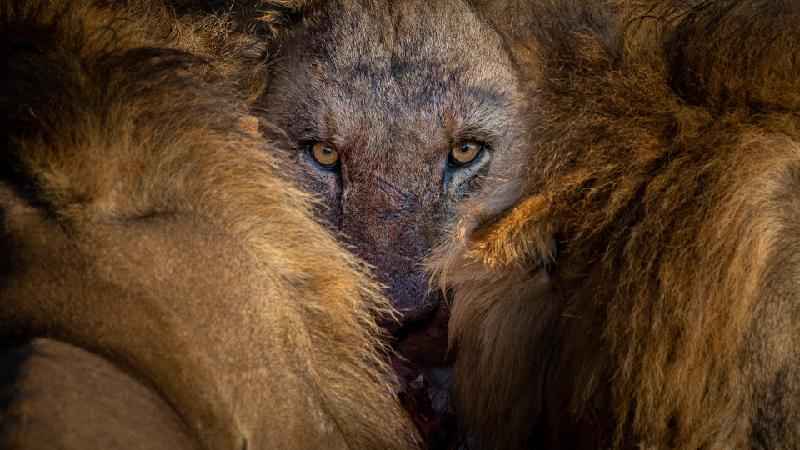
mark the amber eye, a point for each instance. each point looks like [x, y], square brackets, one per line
[464, 153]
[325, 154]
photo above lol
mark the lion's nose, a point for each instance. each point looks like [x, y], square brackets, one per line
[411, 297]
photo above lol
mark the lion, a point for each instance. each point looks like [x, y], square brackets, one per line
[394, 113]
[157, 258]
[637, 287]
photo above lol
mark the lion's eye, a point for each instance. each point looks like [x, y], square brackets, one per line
[465, 153]
[325, 155]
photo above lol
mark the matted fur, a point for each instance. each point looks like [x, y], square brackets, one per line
[664, 162]
[139, 222]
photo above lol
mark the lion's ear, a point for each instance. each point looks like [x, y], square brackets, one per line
[249, 125]
[280, 16]
[521, 236]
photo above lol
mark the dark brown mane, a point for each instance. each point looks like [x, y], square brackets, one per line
[663, 146]
[720, 56]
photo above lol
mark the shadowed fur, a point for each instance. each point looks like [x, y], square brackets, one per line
[663, 166]
[45, 385]
[140, 222]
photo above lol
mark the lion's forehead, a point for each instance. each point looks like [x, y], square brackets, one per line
[415, 37]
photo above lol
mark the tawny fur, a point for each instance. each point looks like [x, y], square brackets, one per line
[664, 160]
[143, 220]
[57, 395]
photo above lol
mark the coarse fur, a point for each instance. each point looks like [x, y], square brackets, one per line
[143, 222]
[637, 288]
